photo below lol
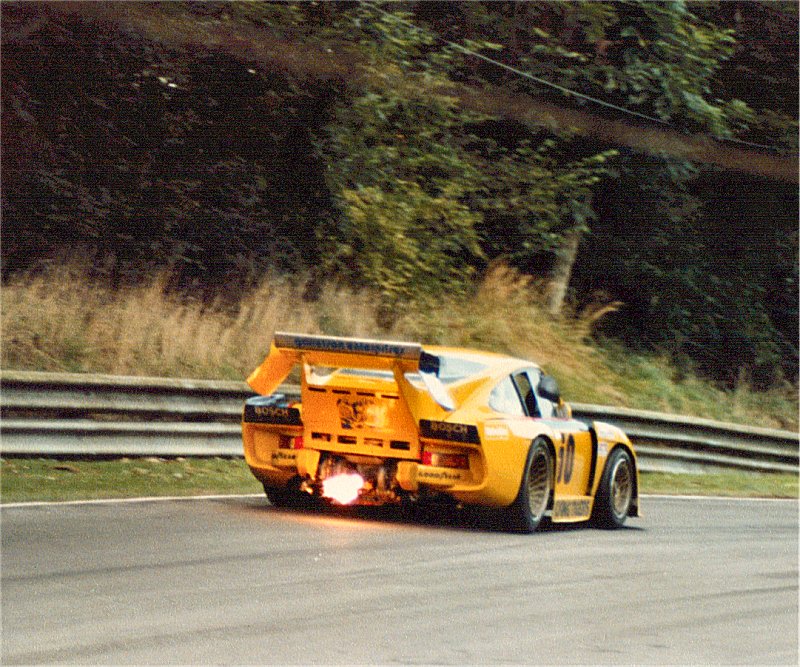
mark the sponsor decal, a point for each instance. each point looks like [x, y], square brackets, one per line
[449, 431]
[606, 432]
[602, 449]
[272, 414]
[361, 413]
[496, 432]
[438, 475]
[348, 345]
[571, 509]
[284, 458]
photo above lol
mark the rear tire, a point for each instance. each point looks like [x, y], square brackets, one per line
[279, 497]
[288, 497]
[615, 493]
[527, 511]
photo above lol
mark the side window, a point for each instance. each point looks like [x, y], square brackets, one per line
[525, 389]
[547, 409]
[504, 398]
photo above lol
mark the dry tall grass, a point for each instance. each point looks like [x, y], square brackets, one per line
[61, 321]
[508, 313]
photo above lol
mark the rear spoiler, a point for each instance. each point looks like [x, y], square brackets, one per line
[289, 349]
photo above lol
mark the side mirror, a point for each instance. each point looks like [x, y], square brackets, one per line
[548, 388]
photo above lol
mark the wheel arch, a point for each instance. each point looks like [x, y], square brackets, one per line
[551, 448]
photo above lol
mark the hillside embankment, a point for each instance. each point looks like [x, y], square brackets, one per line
[59, 320]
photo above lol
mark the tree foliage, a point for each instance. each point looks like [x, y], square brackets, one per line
[407, 161]
[146, 157]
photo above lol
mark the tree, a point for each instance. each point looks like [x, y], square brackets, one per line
[151, 155]
[404, 148]
[657, 241]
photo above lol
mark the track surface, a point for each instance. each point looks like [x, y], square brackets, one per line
[236, 581]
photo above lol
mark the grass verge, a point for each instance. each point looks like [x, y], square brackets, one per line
[737, 484]
[39, 479]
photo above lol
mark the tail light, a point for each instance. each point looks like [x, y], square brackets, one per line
[290, 442]
[445, 460]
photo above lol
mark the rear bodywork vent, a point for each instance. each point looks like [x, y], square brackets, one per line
[354, 420]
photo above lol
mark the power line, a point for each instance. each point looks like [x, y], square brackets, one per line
[563, 89]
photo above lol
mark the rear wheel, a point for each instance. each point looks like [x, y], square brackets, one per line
[279, 497]
[615, 494]
[289, 496]
[527, 511]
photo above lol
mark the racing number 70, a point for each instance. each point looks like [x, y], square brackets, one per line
[567, 461]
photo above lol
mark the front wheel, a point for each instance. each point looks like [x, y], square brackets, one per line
[525, 514]
[615, 494]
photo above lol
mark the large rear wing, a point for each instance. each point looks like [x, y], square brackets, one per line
[289, 349]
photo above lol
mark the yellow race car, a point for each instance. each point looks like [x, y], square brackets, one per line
[383, 422]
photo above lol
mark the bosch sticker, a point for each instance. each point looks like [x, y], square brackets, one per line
[448, 431]
[272, 414]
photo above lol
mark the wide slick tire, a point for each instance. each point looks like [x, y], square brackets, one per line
[615, 493]
[288, 496]
[527, 511]
[278, 497]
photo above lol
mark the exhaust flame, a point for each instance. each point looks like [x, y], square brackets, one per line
[343, 488]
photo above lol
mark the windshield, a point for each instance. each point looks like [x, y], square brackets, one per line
[451, 369]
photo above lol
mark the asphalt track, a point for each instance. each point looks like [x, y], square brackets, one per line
[235, 581]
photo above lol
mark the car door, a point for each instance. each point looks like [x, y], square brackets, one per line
[575, 451]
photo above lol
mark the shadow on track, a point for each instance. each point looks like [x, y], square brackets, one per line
[442, 516]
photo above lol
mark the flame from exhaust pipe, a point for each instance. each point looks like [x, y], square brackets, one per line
[343, 488]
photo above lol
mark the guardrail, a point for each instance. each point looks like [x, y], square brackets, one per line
[62, 414]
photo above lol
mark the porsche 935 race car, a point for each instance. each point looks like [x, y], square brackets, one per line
[390, 422]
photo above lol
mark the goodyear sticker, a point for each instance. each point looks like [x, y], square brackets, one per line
[347, 345]
[283, 458]
[438, 476]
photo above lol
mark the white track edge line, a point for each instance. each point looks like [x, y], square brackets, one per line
[120, 501]
[667, 496]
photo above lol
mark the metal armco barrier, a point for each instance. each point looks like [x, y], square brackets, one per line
[61, 414]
